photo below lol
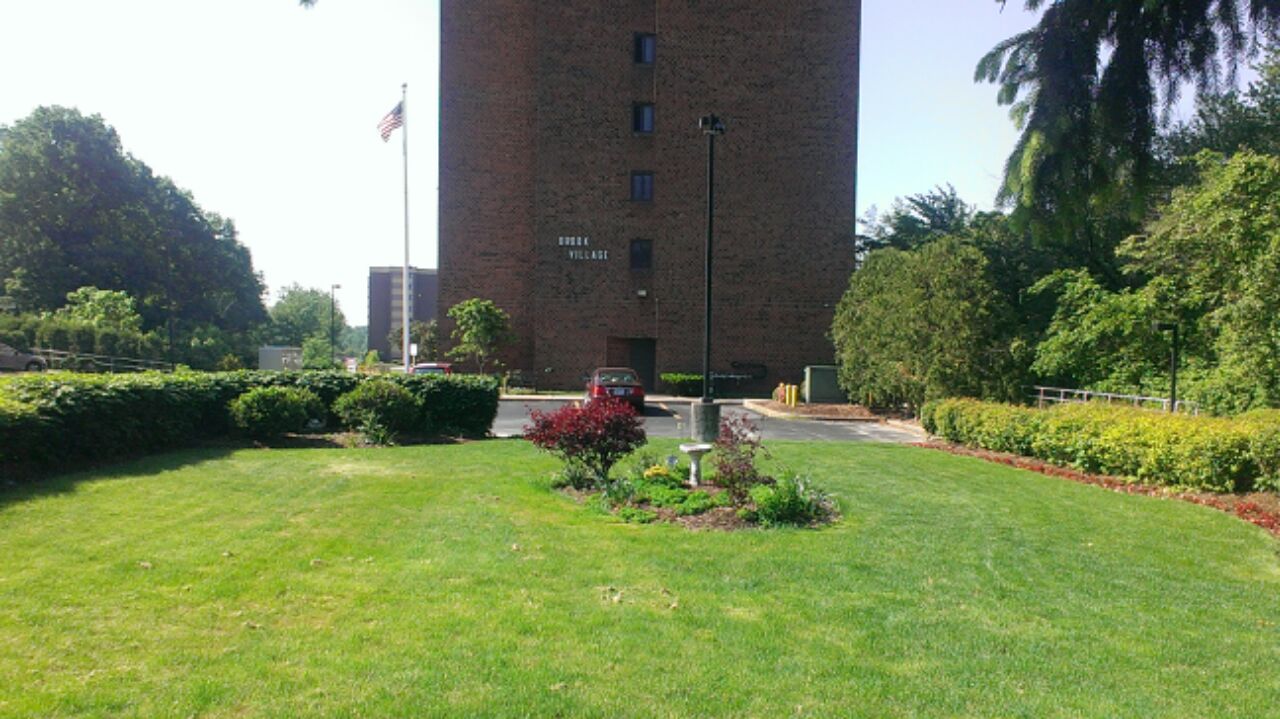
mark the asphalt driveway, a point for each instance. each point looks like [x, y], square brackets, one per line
[670, 419]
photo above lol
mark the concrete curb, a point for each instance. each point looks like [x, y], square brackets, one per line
[759, 407]
[907, 427]
[574, 397]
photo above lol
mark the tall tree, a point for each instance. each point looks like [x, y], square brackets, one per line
[1230, 121]
[915, 220]
[102, 308]
[920, 324]
[302, 313]
[482, 328]
[76, 210]
[1086, 85]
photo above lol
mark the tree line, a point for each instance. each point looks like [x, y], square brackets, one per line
[98, 253]
[1110, 222]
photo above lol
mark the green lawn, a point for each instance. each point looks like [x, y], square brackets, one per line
[449, 581]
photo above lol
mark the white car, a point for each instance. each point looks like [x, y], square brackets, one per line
[15, 361]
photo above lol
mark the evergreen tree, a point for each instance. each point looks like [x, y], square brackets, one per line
[1086, 85]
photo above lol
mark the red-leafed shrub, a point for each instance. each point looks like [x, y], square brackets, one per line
[595, 436]
[735, 457]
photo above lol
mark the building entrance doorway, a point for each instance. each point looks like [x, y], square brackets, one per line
[638, 353]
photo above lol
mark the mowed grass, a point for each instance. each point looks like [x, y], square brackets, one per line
[449, 581]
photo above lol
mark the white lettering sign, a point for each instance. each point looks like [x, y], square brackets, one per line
[576, 245]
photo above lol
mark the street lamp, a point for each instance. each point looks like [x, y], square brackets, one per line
[706, 414]
[333, 311]
[1173, 361]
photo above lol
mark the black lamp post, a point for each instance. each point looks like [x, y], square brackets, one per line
[333, 311]
[1173, 361]
[711, 127]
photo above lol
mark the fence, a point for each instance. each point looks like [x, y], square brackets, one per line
[1058, 395]
[82, 362]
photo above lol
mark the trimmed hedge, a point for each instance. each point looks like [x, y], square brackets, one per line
[269, 412]
[1209, 453]
[57, 419]
[1265, 445]
[683, 384]
[384, 405]
[464, 405]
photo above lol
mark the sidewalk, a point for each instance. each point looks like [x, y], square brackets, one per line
[771, 409]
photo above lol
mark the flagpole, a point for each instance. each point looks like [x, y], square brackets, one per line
[406, 306]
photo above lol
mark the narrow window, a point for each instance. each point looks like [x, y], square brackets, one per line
[642, 186]
[642, 254]
[642, 117]
[646, 48]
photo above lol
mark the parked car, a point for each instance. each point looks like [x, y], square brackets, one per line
[618, 382]
[431, 368]
[15, 361]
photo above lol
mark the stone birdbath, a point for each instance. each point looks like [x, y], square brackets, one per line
[695, 450]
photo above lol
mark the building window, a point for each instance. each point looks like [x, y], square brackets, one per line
[642, 254]
[642, 186]
[646, 48]
[642, 117]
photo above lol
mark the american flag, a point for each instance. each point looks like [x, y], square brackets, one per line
[394, 119]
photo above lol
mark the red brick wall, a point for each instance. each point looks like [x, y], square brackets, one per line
[557, 82]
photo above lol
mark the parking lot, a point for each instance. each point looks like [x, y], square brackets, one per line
[669, 418]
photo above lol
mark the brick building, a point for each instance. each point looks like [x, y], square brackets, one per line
[573, 178]
[386, 301]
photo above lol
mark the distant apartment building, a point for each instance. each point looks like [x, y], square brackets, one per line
[386, 305]
[573, 179]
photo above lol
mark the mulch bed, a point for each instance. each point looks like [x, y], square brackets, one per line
[1260, 508]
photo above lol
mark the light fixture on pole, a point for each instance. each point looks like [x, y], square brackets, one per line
[706, 414]
[333, 311]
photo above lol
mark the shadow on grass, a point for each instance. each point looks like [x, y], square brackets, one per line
[23, 483]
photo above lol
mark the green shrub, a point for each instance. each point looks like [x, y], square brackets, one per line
[107, 341]
[59, 419]
[55, 334]
[268, 412]
[84, 337]
[22, 434]
[1264, 445]
[1207, 453]
[683, 384]
[792, 500]
[637, 515]
[379, 409]
[928, 416]
[463, 405]
[697, 502]
[576, 475]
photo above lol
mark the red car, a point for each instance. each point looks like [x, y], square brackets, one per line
[431, 368]
[618, 382]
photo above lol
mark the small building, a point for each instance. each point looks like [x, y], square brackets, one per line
[386, 302]
[273, 357]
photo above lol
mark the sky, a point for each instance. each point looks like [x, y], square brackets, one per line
[267, 112]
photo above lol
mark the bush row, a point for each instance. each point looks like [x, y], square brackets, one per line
[1209, 453]
[60, 333]
[683, 384]
[50, 419]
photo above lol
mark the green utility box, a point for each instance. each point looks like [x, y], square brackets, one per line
[820, 385]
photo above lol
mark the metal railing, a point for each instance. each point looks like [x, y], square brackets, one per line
[1059, 395]
[85, 362]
